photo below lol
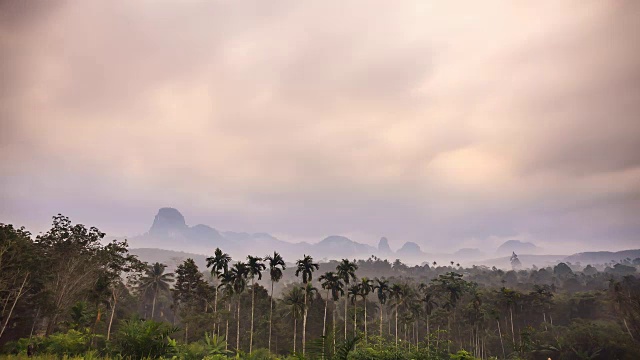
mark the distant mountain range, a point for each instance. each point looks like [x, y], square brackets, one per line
[170, 231]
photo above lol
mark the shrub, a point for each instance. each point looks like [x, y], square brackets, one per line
[139, 339]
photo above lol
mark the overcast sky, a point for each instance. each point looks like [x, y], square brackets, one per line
[451, 124]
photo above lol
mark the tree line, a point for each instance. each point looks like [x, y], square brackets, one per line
[67, 286]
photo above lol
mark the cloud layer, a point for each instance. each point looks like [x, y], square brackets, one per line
[450, 124]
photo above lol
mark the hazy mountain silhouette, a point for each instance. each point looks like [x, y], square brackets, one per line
[519, 247]
[170, 231]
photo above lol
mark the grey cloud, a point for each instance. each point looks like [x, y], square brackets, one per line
[415, 121]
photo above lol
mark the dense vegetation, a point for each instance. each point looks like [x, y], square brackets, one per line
[67, 292]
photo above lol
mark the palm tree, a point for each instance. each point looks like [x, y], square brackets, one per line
[429, 300]
[332, 283]
[365, 288]
[255, 268]
[227, 280]
[353, 292]
[382, 290]
[218, 263]
[156, 280]
[239, 272]
[346, 272]
[305, 267]
[294, 300]
[397, 293]
[276, 265]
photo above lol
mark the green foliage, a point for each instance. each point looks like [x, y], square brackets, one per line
[211, 347]
[138, 339]
[462, 355]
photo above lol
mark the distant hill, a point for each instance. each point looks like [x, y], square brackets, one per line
[601, 257]
[517, 246]
[168, 257]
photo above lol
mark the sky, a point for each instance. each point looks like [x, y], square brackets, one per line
[451, 124]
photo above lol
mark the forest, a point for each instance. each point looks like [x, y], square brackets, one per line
[69, 293]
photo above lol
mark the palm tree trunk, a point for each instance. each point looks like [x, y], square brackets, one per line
[333, 323]
[295, 325]
[238, 327]
[226, 330]
[253, 299]
[324, 324]
[355, 318]
[396, 325]
[304, 323]
[270, 315]
[216, 328]
[428, 333]
[380, 321]
[416, 328]
[153, 307]
[345, 318]
[365, 319]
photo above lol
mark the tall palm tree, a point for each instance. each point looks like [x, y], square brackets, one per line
[294, 300]
[239, 272]
[255, 268]
[276, 265]
[305, 267]
[382, 291]
[156, 280]
[430, 304]
[227, 280]
[353, 292]
[365, 287]
[346, 271]
[218, 263]
[397, 293]
[332, 283]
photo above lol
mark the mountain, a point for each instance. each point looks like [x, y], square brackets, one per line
[411, 252]
[170, 231]
[336, 247]
[517, 246]
[383, 246]
[601, 257]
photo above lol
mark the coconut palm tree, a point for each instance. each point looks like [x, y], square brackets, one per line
[239, 272]
[255, 268]
[382, 291]
[365, 287]
[156, 280]
[305, 267]
[276, 265]
[346, 271]
[218, 263]
[294, 300]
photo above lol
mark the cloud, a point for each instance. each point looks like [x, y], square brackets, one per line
[430, 122]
